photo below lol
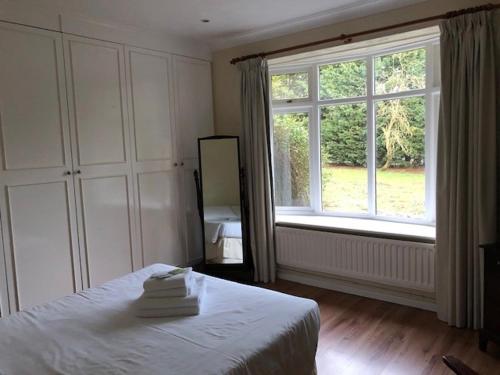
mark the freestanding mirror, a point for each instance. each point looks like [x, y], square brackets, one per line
[221, 203]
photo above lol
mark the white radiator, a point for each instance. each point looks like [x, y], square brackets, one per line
[403, 264]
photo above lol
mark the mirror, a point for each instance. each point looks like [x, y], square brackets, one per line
[221, 200]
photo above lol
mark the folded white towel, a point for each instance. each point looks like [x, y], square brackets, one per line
[172, 311]
[176, 278]
[192, 300]
[175, 292]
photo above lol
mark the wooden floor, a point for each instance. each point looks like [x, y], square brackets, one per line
[364, 336]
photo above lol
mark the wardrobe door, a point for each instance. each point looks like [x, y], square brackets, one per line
[101, 158]
[155, 172]
[194, 119]
[37, 202]
[194, 104]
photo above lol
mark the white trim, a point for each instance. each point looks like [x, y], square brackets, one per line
[357, 288]
[308, 211]
[132, 36]
[428, 159]
[371, 134]
[364, 226]
[105, 30]
[351, 10]
[358, 50]
[331, 102]
[315, 146]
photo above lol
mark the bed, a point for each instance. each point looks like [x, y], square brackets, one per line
[223, 234]
[241, 330]
[222, 221]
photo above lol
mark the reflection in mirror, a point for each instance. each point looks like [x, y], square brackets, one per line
[220, 181]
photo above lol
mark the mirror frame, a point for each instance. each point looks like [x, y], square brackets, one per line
[246, 265]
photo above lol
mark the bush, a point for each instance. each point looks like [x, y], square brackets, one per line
[291, 159]
[343, 134]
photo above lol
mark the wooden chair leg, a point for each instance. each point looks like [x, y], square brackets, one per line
[457, 366]
[483, 341]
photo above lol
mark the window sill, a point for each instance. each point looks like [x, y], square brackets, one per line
[363, 227]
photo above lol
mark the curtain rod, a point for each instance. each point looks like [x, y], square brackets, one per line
[347, 38]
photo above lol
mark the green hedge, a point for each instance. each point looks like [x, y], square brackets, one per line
[344, 134]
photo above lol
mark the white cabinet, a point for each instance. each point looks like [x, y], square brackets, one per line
[101, 158]
[194, 119]
[37, 196]
[155, 173]
[194, 103]
[98, 144]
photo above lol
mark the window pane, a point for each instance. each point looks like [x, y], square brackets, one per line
[342, 80]
[291, 159]
[290, 86]
[401, 71]
[343, 158]
[400, 157]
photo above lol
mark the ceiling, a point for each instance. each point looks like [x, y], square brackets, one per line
[232, 22]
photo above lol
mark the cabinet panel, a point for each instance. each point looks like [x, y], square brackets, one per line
[103, 169]
[159, 228]
[154, 170]
[41, 243]
[194, 106]
[37, 202]
[107, 227]
[149, 74]
[97, 82]
[32, 101]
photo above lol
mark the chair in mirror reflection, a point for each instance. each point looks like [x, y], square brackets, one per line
[221, 200]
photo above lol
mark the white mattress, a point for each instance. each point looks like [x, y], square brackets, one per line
[241, 330]
[222, 222]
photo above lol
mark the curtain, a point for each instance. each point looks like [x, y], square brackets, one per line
[466, 211]
[257, 156]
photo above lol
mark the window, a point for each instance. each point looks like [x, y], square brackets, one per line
[291, 159]
[289, 86]
[355, 136]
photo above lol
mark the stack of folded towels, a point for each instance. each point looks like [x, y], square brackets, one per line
[171, 293]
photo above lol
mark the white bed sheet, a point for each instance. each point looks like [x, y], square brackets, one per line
[221, 222]
[241, 330]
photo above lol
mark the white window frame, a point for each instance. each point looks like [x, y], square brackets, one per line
[313, 105]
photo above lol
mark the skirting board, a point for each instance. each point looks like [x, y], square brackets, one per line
[357, 288]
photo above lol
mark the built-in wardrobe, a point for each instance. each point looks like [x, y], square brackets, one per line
[97, 150]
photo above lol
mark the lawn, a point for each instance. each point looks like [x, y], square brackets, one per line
[400, 192]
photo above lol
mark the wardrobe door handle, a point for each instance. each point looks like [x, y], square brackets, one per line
[77, 172]
[67, 173]
[182, 164]
[175, 164]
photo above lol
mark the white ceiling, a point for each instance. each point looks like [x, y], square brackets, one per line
[232, 21]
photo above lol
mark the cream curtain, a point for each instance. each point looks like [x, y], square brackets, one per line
[257, 156]
[467, 165]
